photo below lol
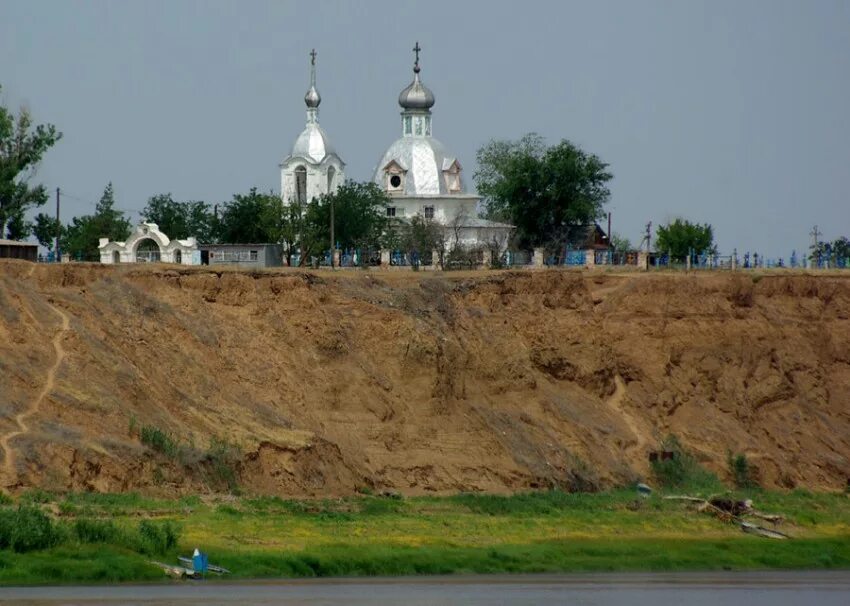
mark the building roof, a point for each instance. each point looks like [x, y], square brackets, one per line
[423, 160]
[4, 242]
[312, 144]
[232, 244]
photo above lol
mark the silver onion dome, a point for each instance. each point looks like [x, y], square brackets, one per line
[416, 95]
[312, 98]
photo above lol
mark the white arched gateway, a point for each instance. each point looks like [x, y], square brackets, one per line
[149, 245]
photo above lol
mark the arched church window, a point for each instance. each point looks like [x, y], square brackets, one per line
[427, 126]
[419, 126]
[331, 175]
[408, 125]
[301, 185]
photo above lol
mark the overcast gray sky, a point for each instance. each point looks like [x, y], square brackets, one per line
[735, 113]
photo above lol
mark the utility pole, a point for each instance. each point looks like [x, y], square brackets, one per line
[57, 255]
[649, 236]
[610, 243]
[815, 251]
[332, 230]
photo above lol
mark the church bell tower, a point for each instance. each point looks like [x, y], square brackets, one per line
[313, 167]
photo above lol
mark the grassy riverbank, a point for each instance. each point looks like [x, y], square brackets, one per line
[113, 537]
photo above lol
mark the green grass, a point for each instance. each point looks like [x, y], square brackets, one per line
[111, 538]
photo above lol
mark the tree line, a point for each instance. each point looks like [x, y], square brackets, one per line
[551, 194]
[254, 217]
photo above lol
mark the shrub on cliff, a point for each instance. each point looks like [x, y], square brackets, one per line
[682, 470]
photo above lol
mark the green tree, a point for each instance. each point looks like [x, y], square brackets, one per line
[837, 251]
[359, 214]
[21, 149]
[820, 252]
[621, 244]
[250, 218]
[681, 237]
[17, 227]
[80, 238]
[549, 193]
[292, 226]
[44, 229]
[420, 236]
[359, 220]
[841, 249]
[180, 220]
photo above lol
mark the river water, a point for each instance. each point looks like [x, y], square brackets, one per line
[651, 589]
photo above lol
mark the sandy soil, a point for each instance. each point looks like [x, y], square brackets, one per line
[330, 382]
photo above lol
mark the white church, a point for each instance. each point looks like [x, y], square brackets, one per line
[419, 175]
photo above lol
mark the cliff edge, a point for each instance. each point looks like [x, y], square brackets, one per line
[326, 383]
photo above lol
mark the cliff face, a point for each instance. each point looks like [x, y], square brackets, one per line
[331, 382]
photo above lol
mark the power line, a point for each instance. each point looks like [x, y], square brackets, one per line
[65, 194]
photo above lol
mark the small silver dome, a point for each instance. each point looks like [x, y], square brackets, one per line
[312, 98]
[416, 95]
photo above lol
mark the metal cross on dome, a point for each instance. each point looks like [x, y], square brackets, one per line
[313, 54]
[416, 50]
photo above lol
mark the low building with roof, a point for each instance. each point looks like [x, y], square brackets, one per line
[12, 249]
[242, 255]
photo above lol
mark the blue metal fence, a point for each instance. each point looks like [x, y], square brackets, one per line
[517, 258]
[575, 257]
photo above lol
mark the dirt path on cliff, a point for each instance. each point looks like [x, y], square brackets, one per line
[21, 417]
[636, 450]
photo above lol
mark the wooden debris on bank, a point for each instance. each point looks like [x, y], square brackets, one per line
[175, 572]
[730, 510]
[761, 531]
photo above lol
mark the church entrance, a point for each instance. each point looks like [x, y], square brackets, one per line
[147, 252]
[178, 257]
[116, 257]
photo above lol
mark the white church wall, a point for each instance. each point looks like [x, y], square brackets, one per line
[446, 209]
[317, 178]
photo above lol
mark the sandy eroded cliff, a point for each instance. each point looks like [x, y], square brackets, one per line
[497, 381]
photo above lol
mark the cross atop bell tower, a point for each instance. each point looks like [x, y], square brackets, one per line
[416, 50]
